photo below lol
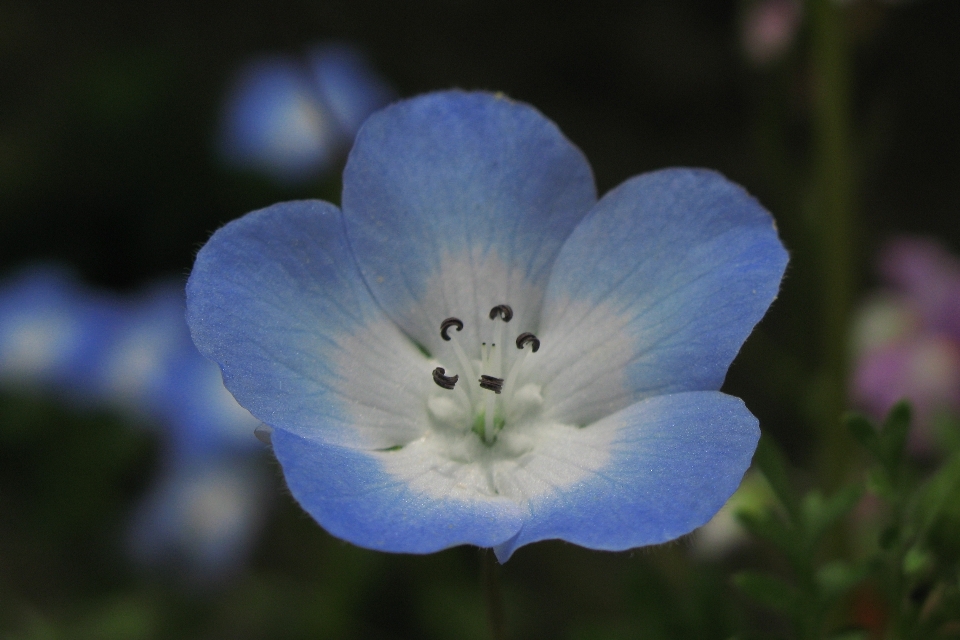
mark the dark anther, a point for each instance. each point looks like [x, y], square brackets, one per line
[446, 324]
[491, 384]
[526, 338]
[503, 310]
[447, 382]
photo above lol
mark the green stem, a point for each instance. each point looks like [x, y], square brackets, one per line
[490, 576]
[834, 178]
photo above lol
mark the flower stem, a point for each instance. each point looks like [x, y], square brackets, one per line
[490, 576]
[834, 178]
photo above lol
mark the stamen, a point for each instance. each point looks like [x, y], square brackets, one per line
[443, 381]
[522, 341]
[525, 338]
[503, 310]
[492, 384]
[465, 363]
[446, 324]
[505, 313]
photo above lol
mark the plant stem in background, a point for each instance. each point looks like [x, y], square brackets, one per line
[490, 577]
[834, 176]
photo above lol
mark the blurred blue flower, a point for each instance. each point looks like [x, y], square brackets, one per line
[135, 354]
[204, 512]
[202, 518]
[348, 87]
[476, 351]
[51, 334]
[291, 120]
[136, 364]
[151, 367]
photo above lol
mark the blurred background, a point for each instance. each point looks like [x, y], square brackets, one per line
[135, 501]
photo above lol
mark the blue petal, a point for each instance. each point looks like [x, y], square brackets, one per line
[655, 292]
[674, 460]
[456, 202]
[276, 300]
[350, 494]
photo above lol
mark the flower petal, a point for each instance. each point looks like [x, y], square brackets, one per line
[354, 498]
[456, 202]
[276, 300]
[670, 463]
[655, 292]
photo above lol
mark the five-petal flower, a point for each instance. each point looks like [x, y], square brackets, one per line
[477, 351]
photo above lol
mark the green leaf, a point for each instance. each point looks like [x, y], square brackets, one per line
[773, 465]
[940, 495]
[855, 634]
[771, 527]
[888, 537]
[947, 427]
[893, 435]
[769, 591]
[838, 577]
[917, 561]
[820, 514]
[879, 484]
[865, 433]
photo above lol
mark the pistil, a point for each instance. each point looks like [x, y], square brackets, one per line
[490, 401]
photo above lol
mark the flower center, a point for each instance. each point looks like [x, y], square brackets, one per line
[491, 394]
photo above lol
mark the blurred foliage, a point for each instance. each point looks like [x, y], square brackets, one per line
[106, 163]
[903, 559]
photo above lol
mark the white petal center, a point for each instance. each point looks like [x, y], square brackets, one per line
[471, 442]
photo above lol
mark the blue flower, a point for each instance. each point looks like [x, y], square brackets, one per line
[347, 86]
[204, 512]
[51, 333]
[206, 509]
[134, 366]
[151, 367]
[203, 516]
[477, 351]
[291, 120]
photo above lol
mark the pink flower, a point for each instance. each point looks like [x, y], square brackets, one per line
[769, 28]
[907, 341]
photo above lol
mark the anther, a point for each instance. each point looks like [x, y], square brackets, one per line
[445, 326]
[491, 384]
[503, 310]
[445, 382]
[526, 338]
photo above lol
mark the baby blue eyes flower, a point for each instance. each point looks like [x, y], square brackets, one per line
[291, 120]
[203, 516]
[50, 331]
[206, 510]
[475, 350]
